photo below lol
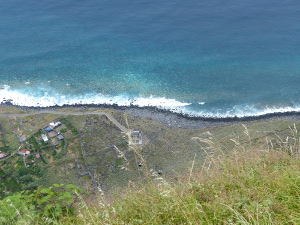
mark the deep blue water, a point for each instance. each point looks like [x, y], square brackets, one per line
[213, 58]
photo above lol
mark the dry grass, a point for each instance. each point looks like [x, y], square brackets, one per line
[248, 186]
[248, 183]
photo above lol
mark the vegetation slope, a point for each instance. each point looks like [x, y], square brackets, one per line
[252, 183]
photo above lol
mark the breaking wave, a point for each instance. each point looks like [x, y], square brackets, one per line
[25, 98]
[48, 98]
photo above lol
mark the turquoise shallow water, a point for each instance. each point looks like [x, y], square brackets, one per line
[204, 58]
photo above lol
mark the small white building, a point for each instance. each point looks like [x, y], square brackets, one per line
[45, 138]
[136, 137]
[54, 124]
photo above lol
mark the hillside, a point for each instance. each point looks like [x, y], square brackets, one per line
[231, 174]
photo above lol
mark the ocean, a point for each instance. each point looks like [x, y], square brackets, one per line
[207, 58]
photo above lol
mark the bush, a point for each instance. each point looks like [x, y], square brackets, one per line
[4, 149]
[31, 186]
[34, 143]
[10, 208]
[70, 127]
[26, 179]
[39, 205]
[23, 171]
[30, 157]
[64, 130]
[2, 173]
[52, 202]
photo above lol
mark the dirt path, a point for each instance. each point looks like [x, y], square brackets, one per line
[110, 117]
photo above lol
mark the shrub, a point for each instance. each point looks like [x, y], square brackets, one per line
[23, 171]
[37, 205]
[64, 130]
[26, 179]
[33, 142]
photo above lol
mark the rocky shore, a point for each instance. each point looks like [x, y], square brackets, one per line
[186, 122]
[169, 118]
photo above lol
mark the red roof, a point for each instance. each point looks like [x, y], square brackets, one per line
[37, 156]
[24, 151]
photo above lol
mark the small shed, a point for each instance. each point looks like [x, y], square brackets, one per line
[2, 155]
[44, 137]
[24, 152]
[21, 137]
[136, 137]
[37, 156]
[54, 124]
[60, 137]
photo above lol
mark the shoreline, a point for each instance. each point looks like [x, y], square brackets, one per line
[168, 117]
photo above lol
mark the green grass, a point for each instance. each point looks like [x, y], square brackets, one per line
[11, 139]
[236, 177]
[39, 133]
[36, 146]
[249, 185]
[9, 184]
[64, 130]
[2, 174]
[64, 149]
[263, 190]
[247, 189]
[5, 149]
[43, 160]
[70, 127]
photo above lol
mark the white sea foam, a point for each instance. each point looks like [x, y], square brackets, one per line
[25, 98]
[241, 112]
